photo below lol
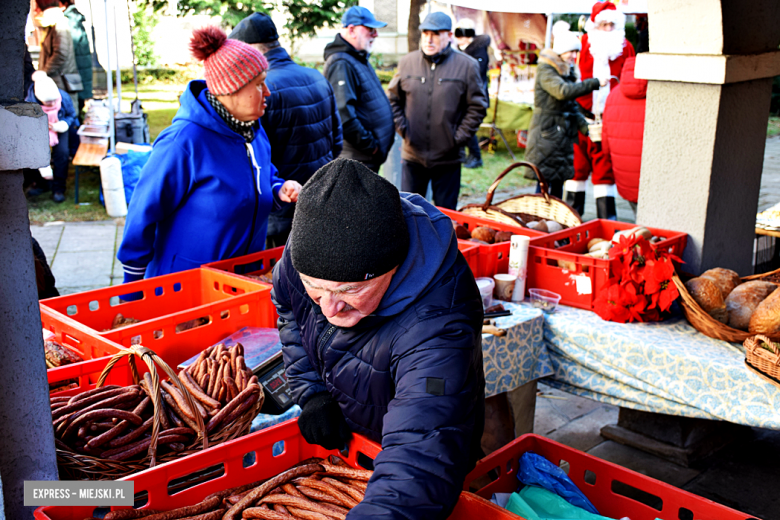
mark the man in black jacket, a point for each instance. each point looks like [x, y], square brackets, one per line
[301, 119]
[476, 47]
[438, 102]
[366, 118]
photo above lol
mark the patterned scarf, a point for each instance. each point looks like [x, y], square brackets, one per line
[246, 129]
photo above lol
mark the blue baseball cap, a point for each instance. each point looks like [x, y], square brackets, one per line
[436, 22]
[357, 15]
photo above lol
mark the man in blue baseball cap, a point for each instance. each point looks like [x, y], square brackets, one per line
[366, 118]
[438, 103]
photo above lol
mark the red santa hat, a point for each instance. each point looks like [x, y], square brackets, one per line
[606, 12]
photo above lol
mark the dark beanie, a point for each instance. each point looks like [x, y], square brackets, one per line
[348, 225]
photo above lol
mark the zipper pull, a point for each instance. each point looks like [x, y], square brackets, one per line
[422, 80]
[433, 66]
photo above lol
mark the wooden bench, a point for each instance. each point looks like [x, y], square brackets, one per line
[91, 151]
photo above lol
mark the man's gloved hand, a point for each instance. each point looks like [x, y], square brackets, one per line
[321, 422]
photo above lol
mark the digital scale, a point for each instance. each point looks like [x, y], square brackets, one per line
[263, 355]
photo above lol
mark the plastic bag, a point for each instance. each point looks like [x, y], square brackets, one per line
[132, 164]
[535, 503]
[535, 470]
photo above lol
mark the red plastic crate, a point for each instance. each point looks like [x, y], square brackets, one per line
[544, 271]
[162, 296]
[493, 258]
[220, 319]
[91, 346]
[249, 265]
[470, 252]
[86, 374]
[230, 456]
[605, 484]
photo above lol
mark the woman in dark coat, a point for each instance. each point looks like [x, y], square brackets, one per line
[556, 120]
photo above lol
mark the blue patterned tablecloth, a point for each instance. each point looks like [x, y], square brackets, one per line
[667, 367]
[519, 357]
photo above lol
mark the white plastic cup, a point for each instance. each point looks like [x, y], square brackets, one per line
[486, 286]
[518, 260]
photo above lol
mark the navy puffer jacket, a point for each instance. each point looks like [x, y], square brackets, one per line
[301, 120]
[409, 375]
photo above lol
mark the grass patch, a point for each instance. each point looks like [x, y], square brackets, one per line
[474, 182]
[42, 209]
[773, 128]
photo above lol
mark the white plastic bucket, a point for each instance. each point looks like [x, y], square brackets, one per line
[113, 187]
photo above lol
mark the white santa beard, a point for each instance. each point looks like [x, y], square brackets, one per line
[605, 46]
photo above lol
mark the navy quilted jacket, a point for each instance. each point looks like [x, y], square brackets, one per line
[409, 375]
[301, 119]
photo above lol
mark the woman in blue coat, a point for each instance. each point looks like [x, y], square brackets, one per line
[209, 185]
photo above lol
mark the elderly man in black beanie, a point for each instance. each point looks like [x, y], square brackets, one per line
[380, 321]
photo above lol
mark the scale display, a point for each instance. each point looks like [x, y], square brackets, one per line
[274, 383]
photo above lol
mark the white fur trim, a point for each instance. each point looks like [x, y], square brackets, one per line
[604, 190]
[611, 15]
[572, 186]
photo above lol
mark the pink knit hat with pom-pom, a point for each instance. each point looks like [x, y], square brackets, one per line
[229, 64]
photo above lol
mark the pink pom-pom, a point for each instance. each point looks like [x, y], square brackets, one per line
[206, 41]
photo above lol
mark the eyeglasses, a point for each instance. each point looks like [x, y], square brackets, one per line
[371, 31]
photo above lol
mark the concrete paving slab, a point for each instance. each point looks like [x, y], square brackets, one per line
[555, 409]
[739, 475]
[94, 237]
[644, 463]
[48, 238]
[583, 432]
[116, 270]
[85, 268]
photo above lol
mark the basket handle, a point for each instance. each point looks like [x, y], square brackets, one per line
[755, 343]
[542, 182]
[152, 360]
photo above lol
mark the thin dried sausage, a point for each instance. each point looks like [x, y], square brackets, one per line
[257, 493]
[197, 391]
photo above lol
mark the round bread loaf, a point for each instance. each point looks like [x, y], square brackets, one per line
[743, 301]
[485, 234]
[709, 298]
[724, 279]
[766, 318]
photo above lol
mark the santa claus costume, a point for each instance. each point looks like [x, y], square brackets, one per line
[604, 51]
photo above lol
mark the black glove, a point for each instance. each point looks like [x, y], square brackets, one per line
[321, 422]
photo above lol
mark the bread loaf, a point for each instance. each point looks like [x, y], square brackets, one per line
[709, 298]
[485, 234]
[724, 279]
[744, 299]
[766, 318]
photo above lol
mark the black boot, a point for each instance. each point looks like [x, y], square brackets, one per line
[576, 199]
[605, 208]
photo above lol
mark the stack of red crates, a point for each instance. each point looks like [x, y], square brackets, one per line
[182, 313]
[566, 270]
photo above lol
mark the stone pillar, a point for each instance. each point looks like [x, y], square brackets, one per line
[709, 69]
[26, 437]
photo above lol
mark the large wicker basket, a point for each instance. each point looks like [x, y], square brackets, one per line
[763, 355]
[708, 325]
[525, 208]
[78, 466]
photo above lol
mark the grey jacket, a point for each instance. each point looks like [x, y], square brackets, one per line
[556, 120]
[437, 107]
[57, 54]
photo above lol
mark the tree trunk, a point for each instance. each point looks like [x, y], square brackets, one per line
[413, 37]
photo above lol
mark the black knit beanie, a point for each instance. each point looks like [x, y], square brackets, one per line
[348, 225]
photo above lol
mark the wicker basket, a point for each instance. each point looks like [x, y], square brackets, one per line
[525, 208]
[78, 466]
[765, 359]
[708, 325]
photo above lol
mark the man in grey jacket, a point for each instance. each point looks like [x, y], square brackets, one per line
[438, 103]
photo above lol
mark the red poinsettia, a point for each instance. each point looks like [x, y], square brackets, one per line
[641, 287]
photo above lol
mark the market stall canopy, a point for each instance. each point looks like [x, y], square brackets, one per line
[547, 6]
